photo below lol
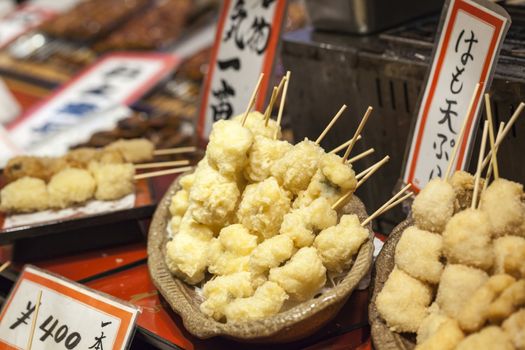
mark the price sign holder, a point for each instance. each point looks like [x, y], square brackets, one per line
[70, 316]
[467, 48]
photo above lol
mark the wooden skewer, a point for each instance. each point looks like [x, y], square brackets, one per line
[252, 99]
[358, 132]
[489, 170]
[361, 155]
[380, 210]
[494, 162]
[366, 171]
[506, 130]
[177, 150]
[161, 164]
[162, 172]
[33, 322]
[478, 170]
[344, 145]
[5, 266]
[461, 132]
[269, 108]
[281, 104]
[329, 126]
[396, 203]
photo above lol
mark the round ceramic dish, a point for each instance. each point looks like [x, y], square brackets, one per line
[293, 324]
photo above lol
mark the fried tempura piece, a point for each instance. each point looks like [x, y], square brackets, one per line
[179, 203]
[508, 302]
[514, 326]
[337, 245]
[299, 224]
[489, 338]
[403, 301]
[301, 277]
[70, 186]
[263, 154]
[262, 208]
[467, 239]
[319, 187]
[430, 324]
[418, 253]
[24, 195]
[296, 168]
[215, 197]
[434, 205]
[134, 150]
[175, 222]
[223, 289]
[463, 184]
[473, 315]
[28, 166]
[438, 332]
[113, 180]
[227, 151]
[271, 253]
[267, 301]
[257, 125]
[456, 286]
[186, 181]
[502, 203]
[509, 256]
[337, 172]
[81, 157]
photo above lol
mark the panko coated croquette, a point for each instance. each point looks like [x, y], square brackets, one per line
[514, 326]
[114, 181]
[473, 315]
[24, 195]
[456, 286]
[403, 301]
[227, 151]
[337, 245]
[263, 154]
[296, 168]
[440, 333]
[266, 301]
[418, 253]
[302, 276]
[489, 338]
[214, 196]
[257, 125]
[434, 205]
[509, 255]
[502, 202]
[220, 291]
[463, 184]
[467, 239]
[262, 207]
[511, 299]
[134, 150]
[179, 203]
[70, 186]
[271, 253]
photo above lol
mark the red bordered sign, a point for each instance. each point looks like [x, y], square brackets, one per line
[246, 42]
[21, 20]
[70, 316]
[467, 49]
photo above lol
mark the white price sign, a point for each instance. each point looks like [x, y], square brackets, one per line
[246, 40]
[21, 20]
[70, 316]
[467, 50]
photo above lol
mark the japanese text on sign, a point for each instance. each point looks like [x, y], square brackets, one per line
[69, 317]
[466, 50]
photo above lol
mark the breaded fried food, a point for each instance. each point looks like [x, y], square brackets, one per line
[186, 181]
[467, 239]
[266, 301]
[302, 276]
[511, 299]
[179, 203]
[28, 166]
[456, 286]
[24, 195]
[431, 323]
[509, 256]
[338, 172]
[263, 154]
[514, 326]
[114, 181]
[69, 187]
[186, 257]
[473, 315]
[403, 301]
[221, 262]
[418, 253]
[133, 150]
[434, 205]
[463, 184]
[262, 207]
[297, 167]
[271, 253]
[489, 338]
[502, 202]
[227, 151]
[440, 333]
[257, 125]
[337, 245]
[81, 157]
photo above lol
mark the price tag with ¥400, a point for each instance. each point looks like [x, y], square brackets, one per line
[45, 311]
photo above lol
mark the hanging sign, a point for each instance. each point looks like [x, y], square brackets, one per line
[246, 41]
[70, 316]
[465, 55]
